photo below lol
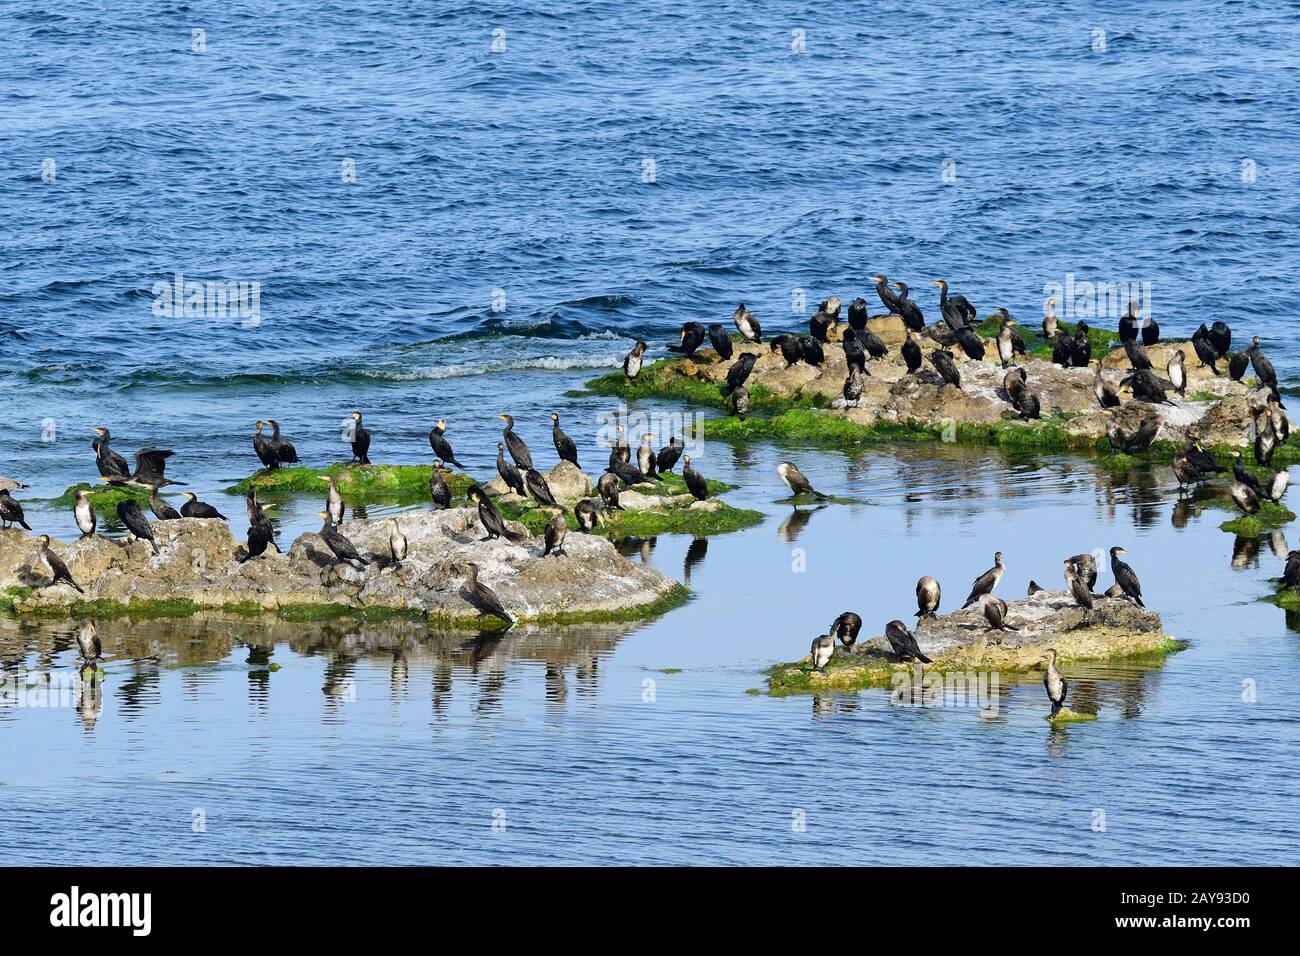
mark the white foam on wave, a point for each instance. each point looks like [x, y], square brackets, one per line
[548, 363]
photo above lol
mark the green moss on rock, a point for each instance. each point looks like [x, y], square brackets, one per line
[103, 497]
[358, 484]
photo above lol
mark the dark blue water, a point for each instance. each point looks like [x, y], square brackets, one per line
[502, 239]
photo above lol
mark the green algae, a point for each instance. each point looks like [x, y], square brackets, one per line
[358, 484]
[103, 497]
[1036, 344]
[668, 518]
[1067, 716]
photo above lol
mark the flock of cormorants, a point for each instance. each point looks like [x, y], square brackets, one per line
[1191, 464]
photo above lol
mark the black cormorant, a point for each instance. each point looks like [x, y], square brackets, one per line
[810, 350]
[1124, 576]
[740, 402]
[193, 508]
[970, 342]
[54, 566]
[846, 627]
[150, 468]
[343, 549]
[1220, 336]
[928, 595]
[695, 482]
[691, 337]
[1054, 682]
[1204, 349]
[360, 441]
[995, 613]
[1201, 459]
[397, 544]
[720, 341]
[262, 447]
[746, 324]
[739, 371]
[586, 514]
[943, 362]
[632, 361]
[89, 644]
[1081, 350]
[903, 642]
[515, 445]
[109, 462]
[11, 512]
[986, 582]
[873, 344]
[666, 460]
[536, 484]
[853, 354]
[1264, 371]
[646, 459]
[820, 325]
[482, 596]
[556, 530]
[1244, 497]
[564, 446]
[1080, 589]
[628, 474]
[1242, 475]
[911, 314]
[1137, 355]
[858, 314]
[854, 383]
[1129, 325]
[941, 335]
[607, 487]
[1063, 349]
[261, 533]
[129, 513]
[1140, 440]
[956, 310]
[1085, 565]
[912, 355]
[788, 345]
[333, 499]
[1107, 395]
[1147, 386]
[509, 473]
[441, 447]
[284, 449]
[161, 509]
[490, 517]
[796, 481]
[823, 648]
[887, 298]
[439, 491]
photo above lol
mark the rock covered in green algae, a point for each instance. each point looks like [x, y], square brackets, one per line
[198, 568]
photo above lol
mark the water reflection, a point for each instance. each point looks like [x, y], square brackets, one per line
[699, 547]
[795, 522]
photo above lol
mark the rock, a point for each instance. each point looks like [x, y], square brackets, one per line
[567, 482]
[198, 564]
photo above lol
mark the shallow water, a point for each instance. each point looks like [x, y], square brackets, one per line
[775, 171]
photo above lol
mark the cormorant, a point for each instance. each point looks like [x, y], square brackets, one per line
[1202, 460]
[109, 462]
[628, 474]
[11, 512]
[645, 457]
[1140, 440]
[397, 544]
[1080, 589]
[607, 486]
[1177, 373]
[334, 500]
[810, 350]
[84, 512]
[720, 341]
[343, 549]
[1054, 682]
[970, 342]
[943, 362]
[788, 345]
[1063, 349]
[1242, 475]
[262, 446]
[1264, 371]
[831, 307]
[666, 460]
[858, 314]
[695, 482]
[928, 595]
[1029, 406]
[1107, 394]
[854, 383]
[1277, 485]
[846, 627]
[129, 513]
[986, 582]
[903, 642]
[284, 449]
[995, 613]
[853, 354]
[1245, 497]
[1124, 576]
[956, 310]
[1049, 320]
[912, 353]
[1281, 424]
[509, 473]
[360, 441]
[1186, 473]
[1081, 351]
[89, 644]
[740, 402]
[692, 337]
[1006, 339]
[1265, 440]
[1085, 565]
[161, 509]
[887, 298]
[820, 325]
[1238, 364]
[1137, 355]
[1204, 349]
[632, 361]
[491, 519]
[193, 508]
[911, 314]
[150, 465]
[439, 492]
[482, 596]
[823, 648]
[1147, 386]
[515, 445]
[556, 529]
[1034, 587]
[739, 371]
[1150, 332]
[54, 566]
[796, 481]
[1220, 336]
[873, 343]
[587, 514]
[746, 324]
[536, 484]
[941, 335]
[1129, 325]
[564, 446]
[261, 533]
[441, 447]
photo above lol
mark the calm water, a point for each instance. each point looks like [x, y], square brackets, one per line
[515, 179]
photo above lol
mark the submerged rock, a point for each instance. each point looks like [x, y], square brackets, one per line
[199, 564]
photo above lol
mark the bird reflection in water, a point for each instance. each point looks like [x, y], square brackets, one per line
[694, 556]
[1184, 510]
[795, 522]
[1277, 544]
[828, 705]
[90, 697]
[1245, 553]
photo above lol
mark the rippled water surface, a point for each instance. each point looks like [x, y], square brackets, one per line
[517, 179]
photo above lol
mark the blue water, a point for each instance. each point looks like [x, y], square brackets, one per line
[516, 180]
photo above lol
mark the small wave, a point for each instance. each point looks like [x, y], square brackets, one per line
[549, 363]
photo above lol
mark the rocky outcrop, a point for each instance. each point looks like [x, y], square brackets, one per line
[1066, 394]
[199, 563]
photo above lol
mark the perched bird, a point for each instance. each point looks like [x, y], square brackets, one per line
[927, 598]
[1049, 319]
[908, 310]
[873, 344]
[695, 482]
[1238, 364]
[1220, 336]
[995, 613]
[161, 509]
[628, 474]
[54, 566]
[1244, 497]
[1147, 386]
[941, 334]
[1242, 475]
[1205, 351]
[956, 310]
[397, 544]
[720, 341]
[666, 460]
[1054, 682]
[1265, 374]
[854, 356]
[607, 487]
[441, 447]
[846, 627]
[360, 441]
[1137, 355]
[1265, 441]
[1139, 441]
[823, 648]
[1128, 325]
[796, 481]
[261, 533]
[1014, 383]
[88, 644]
[1034, 587]
[738, 372]
[193, 508]
[564, 446]
[109, 462]
[858, 314]
[284, 449]
[554, 535]
[691, 338]
[1106, 393]
[854, 383]
[339, 544]
[1010, 343]
[646, 460]
[912, 356]
[788, 345]
[1124, 576]
[903, 642]
[84, 512]
[263, 449]
[632, 361]
[11, 512]
[1177, 373]
[740, 402]
[1085, 566]
[887, 297]
[943, 363]
[334, 499]
[1030, 405]
[587, 515]
[1278, 484]
[986, 582]
[129, 513]
[746, 324]
[150, 465]
[1079, 589]
[810, 350]
[536, 484]
[1063, 349]
[970, 342]
[1081, 348]
[515, 445]
[491, 519]
[482, 596]
[514, 481]
[1202, 460]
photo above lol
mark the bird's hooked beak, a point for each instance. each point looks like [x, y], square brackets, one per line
[267, 506]
[99, 431]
